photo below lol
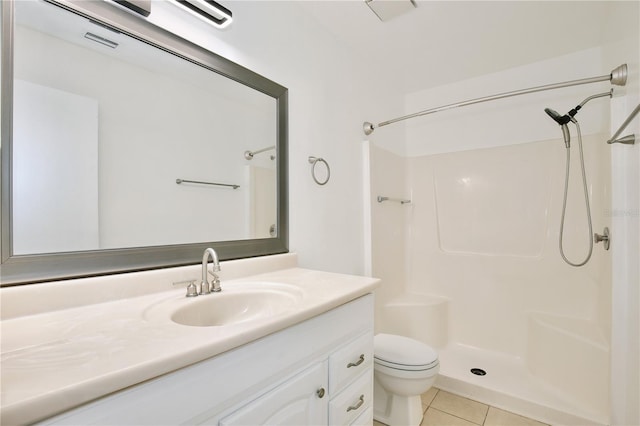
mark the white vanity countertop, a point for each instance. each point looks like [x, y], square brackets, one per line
[54, 361]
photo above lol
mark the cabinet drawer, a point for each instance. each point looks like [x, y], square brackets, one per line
[350, 361]
[364, 419]
[353, 401]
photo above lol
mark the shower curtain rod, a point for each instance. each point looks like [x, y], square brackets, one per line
[618, 77]
[249, 154]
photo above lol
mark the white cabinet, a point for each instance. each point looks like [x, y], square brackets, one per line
[274, 380]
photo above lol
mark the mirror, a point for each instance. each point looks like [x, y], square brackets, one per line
[127, 148]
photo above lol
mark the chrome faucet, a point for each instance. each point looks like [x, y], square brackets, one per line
[205, 288]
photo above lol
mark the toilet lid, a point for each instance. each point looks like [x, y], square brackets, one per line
[399, 351]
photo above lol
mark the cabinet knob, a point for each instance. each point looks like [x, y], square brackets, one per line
[320, 392]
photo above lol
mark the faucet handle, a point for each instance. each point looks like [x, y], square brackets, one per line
[192, 289]
[215, 284]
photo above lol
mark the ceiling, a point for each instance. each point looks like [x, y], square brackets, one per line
[440, 42]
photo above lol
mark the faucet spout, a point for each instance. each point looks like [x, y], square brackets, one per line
[205, 288]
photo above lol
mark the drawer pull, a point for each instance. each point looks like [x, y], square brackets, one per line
[358, 405]
[357, 363]
[320, 392]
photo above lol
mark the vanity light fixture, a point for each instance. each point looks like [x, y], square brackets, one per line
[101, 40]
[141, 7]
[207, 10]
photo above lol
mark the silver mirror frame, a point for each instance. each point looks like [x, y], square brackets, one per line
[28, 269]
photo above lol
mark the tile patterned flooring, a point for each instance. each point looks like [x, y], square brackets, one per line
[446, 409]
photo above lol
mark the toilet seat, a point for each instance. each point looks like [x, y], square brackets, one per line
[403, 353]
[403, 367]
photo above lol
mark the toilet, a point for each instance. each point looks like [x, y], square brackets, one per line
[404, 369]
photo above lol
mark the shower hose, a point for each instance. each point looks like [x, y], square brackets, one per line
[586, 199]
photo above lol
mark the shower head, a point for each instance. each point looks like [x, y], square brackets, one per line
[562, 120]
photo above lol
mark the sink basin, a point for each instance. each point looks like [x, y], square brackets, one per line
[236, 303]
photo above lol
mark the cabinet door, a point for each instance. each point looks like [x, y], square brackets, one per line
[301, 400]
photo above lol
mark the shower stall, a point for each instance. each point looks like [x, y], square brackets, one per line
[469, 239]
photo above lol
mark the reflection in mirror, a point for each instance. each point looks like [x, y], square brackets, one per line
[111, 134]
[121, 145]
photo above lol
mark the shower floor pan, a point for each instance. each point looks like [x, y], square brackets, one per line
[510, 386]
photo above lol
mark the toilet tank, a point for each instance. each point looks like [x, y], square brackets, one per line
[418, 316]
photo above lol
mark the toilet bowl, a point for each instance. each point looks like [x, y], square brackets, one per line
[404, 369]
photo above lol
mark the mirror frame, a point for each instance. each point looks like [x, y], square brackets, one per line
[35, 268]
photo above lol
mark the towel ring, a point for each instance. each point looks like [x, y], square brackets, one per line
[314, 161]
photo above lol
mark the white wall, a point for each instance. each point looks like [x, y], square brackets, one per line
[48, 168]
[624, 217]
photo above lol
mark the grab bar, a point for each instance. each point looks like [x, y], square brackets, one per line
[397, 200]
[629, 139]
[179, 181]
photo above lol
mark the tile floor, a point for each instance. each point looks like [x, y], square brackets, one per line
[446, 409]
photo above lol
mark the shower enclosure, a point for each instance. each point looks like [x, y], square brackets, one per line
[477, 247]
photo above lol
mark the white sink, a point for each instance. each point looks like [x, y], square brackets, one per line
[238, 302]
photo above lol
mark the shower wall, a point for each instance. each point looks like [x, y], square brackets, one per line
[388, 178]
[483, 232]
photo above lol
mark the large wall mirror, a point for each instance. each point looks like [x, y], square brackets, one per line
[125, 147]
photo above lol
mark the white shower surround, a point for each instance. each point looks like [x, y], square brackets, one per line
[481, 251]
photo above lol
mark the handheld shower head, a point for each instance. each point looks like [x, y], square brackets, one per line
[562, 120]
